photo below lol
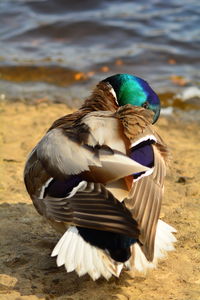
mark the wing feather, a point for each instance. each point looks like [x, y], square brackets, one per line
[63, 152]
[62, 156]
[144, 202]
[92, 207]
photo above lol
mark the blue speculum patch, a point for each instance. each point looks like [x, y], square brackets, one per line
[144, 155]
[61, 188]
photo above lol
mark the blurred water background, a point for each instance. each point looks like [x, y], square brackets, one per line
[58, 49]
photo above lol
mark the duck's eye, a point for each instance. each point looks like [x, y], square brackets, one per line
[145, 105]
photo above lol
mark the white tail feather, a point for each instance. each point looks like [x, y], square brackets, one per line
[163, 242]
[78, 255]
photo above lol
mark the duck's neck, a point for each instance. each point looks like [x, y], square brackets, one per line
[101, 99]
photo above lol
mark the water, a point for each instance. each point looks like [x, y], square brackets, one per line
[59, 49]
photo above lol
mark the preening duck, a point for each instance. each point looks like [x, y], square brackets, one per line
[97, 176]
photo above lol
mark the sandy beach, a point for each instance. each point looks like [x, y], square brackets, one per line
[28, 271]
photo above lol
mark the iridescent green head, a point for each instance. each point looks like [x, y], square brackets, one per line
[133, 90]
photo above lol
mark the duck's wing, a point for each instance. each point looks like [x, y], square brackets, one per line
[76, 202]
[88, 205]
[85, 149]
[144, 202]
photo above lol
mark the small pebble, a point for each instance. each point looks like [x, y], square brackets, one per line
[182, 179]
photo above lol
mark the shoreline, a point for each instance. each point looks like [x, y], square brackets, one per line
[28, 271]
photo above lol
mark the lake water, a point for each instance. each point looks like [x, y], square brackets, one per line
[59, 49]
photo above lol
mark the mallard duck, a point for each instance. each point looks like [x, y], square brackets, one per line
[97, 176]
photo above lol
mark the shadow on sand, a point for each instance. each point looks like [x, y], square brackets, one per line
[27, 241]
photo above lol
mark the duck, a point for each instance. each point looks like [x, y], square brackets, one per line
[97, 176]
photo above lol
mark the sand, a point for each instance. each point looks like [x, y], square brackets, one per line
[28, 271]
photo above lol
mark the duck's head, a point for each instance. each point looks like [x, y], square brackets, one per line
[129, 89]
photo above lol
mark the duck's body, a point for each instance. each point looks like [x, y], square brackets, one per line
[97, 175]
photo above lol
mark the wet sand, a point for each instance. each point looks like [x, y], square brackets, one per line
[28, 271]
